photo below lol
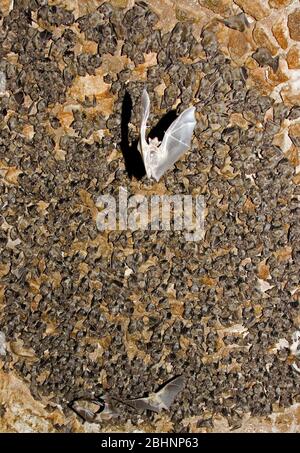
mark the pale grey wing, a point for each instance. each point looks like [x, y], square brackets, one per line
[176, 142]
[168, 393]
[143, 145]
[143, 404]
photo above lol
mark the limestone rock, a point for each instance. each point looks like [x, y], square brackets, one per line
[6, 6]
[293, 57]
[294, 24]
[217, 6]
[238, 46]
[279, 32]
[262, 39]
[255, 8]
[279, 3]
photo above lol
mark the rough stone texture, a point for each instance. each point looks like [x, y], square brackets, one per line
[279, 3]
[217, 6]
[24, 411]
[6, 6]
[293, 24]
[293, 57]
[279, 31]
[263, 39]
[255, 8]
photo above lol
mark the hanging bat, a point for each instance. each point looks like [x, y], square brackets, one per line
[94, 411]
[163, 399]
[160, 157]
[239, 22]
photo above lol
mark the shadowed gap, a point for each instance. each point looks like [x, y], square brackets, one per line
[163, 124]
[133, 160]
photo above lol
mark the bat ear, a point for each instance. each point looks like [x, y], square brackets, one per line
[145, 100]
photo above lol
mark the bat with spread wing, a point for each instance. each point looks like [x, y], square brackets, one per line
[160, 157]
[160, 400]
[94, 411]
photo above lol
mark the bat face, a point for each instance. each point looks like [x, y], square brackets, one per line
[163, 399]
[160, 157]
[154, 142]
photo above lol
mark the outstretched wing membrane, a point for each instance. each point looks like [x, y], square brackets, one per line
[176, 142]
[169, 392]
[163, 399]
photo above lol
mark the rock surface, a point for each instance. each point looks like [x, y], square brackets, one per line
[70, 152]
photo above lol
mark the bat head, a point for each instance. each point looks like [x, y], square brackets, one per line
[154, 141]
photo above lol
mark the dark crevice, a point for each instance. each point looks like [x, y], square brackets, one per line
[163, 124]
[133, 160]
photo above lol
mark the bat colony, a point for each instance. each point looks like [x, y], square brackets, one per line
[158, 158]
